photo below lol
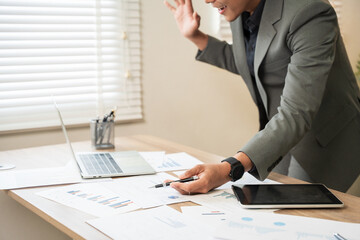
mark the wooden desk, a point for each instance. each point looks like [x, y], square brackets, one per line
[72, 222]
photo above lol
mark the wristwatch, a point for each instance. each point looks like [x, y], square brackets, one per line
[237, 169]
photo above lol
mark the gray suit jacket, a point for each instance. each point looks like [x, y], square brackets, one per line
[307, 86]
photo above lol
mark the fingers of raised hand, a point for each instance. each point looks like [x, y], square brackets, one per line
[179, 2]
[196, 16]
[169, 6]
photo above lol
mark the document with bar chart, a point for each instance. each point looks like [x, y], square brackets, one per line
[92, 198]
[162, 162]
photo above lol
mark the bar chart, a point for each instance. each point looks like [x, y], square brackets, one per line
[93, 198]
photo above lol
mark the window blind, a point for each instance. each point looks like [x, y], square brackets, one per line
[84, 53]
[225, 31]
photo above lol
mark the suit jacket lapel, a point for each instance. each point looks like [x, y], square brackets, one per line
[240, 54]
[271, 14]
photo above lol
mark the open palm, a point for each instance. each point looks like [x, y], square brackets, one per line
[187, 20]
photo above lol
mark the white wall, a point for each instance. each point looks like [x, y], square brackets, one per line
[350, 19]
[184, 101]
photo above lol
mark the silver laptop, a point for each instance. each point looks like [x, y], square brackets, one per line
[107, 164]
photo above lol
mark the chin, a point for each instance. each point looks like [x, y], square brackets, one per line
[230, 18]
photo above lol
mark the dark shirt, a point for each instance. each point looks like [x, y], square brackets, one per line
[251, 25]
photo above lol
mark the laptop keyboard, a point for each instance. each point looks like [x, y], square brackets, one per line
[100, 164]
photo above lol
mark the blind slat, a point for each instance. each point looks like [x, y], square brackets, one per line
[73, 50]
[60, 60]
[60, 75]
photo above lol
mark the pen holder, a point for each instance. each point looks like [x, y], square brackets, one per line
[102, 134]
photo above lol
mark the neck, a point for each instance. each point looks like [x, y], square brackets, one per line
[252, 5]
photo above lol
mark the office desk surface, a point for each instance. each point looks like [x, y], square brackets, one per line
[72, 222]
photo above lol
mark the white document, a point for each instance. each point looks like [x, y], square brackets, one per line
[206, 215]
[279, 226]
[162, 162]
[92, 198]
[152, 224]
[138, 189]
[222, 200]
[178, 173]
[247, 179]
[13, 179]
[155, 159]
[255, 225]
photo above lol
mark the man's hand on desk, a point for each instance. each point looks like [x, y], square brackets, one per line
[210, 177]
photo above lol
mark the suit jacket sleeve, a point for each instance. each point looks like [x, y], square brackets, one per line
[218, 53]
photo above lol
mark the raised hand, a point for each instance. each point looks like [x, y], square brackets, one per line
[186, 18]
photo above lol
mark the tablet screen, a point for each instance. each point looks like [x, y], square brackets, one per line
[287, 195]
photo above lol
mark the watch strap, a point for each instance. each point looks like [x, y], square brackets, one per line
[237, 169]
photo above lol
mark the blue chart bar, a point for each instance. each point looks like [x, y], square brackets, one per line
[170, 163]
[74, 192]
[213, 213]
[121, 204]
[84, 195]
[95, 198]
[171, 222]
[78, 193]
[107, 201]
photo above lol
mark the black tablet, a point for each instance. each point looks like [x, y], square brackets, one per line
[286, 196]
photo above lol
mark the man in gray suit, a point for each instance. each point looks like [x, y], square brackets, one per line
[292, 58]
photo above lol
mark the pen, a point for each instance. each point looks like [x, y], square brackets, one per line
[180, 180]
[111, 115]
[105, 118]
[339, 237]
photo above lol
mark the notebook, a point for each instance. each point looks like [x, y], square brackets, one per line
[107, 164]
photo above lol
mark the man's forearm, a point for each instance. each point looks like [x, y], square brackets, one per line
[200, 39]
[245, 161]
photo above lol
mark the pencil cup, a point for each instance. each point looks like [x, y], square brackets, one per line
[102, 134]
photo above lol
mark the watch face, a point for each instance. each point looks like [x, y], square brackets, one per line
[237, 169]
